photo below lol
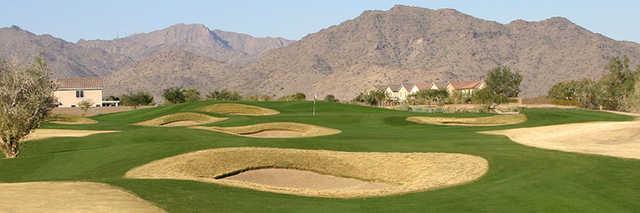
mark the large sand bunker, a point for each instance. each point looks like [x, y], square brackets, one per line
[318, 172]
[69, 197]
[617, 139]
[495, 120]
[238, 109]
[275, 130]
[70, 120]
[55, 133]
[181, 119]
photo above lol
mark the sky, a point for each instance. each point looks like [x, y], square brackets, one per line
[292, 19]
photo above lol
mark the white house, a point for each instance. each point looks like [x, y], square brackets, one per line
[466, 88]
[71, 91]
[423, 86]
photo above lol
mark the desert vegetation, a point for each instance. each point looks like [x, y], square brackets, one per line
[136, 99]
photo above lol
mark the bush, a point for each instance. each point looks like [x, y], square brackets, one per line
[294, 97]
[191, 95]
[224, 95]
[136, 99]
[174, 95]
[437, 97]
[330, 98]
[373, 97]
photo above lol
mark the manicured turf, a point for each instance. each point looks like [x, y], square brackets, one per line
[520, 178]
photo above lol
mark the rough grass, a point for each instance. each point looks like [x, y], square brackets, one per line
[275, 130]
[405, 172]
[70, 119]
[495, 120]
[520, 178]
[238, 109]
[181, 119]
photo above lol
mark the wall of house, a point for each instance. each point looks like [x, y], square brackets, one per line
[67, 98]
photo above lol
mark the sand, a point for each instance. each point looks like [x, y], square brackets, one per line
[319, 173]
[616, 139]
[181, 119]
[495, 120]
[69, 197]
[39, 134]
[275, 130]
[238, 109]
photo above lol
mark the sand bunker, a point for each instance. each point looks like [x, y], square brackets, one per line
[71, 120]
[496, 120]
[55, 133]
[69, 197]
[238, 109]
[275, 130]
[318, 172]
[181, 119]
[617, 139]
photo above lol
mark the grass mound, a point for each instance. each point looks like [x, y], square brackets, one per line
[275, 130]
[397, 172]
[181, 119]
[70, 119]
[70, 197]
[495, 120]
[617, 139]
[238, 109]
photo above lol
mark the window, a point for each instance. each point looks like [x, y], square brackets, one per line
[79, 94]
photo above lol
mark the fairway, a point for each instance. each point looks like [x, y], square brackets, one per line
[519, 178]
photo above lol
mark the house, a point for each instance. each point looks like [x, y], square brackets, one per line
[71, 91]
[423, 86]
[465, 88]
[398, 93]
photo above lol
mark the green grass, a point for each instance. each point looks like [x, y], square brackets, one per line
[520, 178]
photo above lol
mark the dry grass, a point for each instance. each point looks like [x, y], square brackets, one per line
[495, 120]
[238, 109]
[181, 119]
[403, 172]
[69, 197]
[70, 119]
[617, 139]
[275, 130]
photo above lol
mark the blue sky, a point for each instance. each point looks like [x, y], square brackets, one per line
[292, 19]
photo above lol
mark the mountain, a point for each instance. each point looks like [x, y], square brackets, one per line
[64, 58]
[416, 44]
[195, 38]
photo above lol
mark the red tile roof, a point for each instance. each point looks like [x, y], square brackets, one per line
[424, 85]
[465, 84]
[79, 83]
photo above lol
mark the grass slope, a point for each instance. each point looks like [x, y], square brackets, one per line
[520, 178]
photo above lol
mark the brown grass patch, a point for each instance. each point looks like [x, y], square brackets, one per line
[495, 120]
[70, 197]
[181, 119]
[39, 134]
[70, 119]
[275, 130]
[617, 139]
[238, 109]
[396, 173]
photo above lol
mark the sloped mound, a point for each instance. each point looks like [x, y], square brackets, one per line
[238, 109]
[617, 139]
[71, 120]
[350, 174]
[70, 197]
[181, 119]
[275, 130]
[495, 120]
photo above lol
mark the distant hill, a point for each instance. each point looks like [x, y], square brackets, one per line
[403, 44]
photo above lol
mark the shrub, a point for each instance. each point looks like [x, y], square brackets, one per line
[191, 95]
[294, 97]
[224, 95]
[174, 95]
[136, 99]
[330, 98]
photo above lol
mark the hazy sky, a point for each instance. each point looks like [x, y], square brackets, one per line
[292, 19]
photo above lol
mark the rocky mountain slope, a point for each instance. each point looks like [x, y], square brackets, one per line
[417, 44]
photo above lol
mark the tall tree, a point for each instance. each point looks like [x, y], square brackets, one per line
[26, 97]
[503, 84]
[174, 95]
[618, 84]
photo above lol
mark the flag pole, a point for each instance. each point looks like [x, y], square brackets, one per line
[314, 104]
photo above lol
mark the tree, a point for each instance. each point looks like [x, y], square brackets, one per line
[634, 100]
[503, 84]
[618, 84]
[174, 95]
[294, 97]
[330, 98]
[224, 95]
[483, 96]
[85, 105]
[373, 97]
[431, 96]
[191, 95]
[137, 99]
[26, 97]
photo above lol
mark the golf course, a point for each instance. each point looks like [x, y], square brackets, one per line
[210, 156]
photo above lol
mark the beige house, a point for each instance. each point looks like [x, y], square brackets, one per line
[71, 91]
[397, 93]
[466, 88]
[423, 86]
